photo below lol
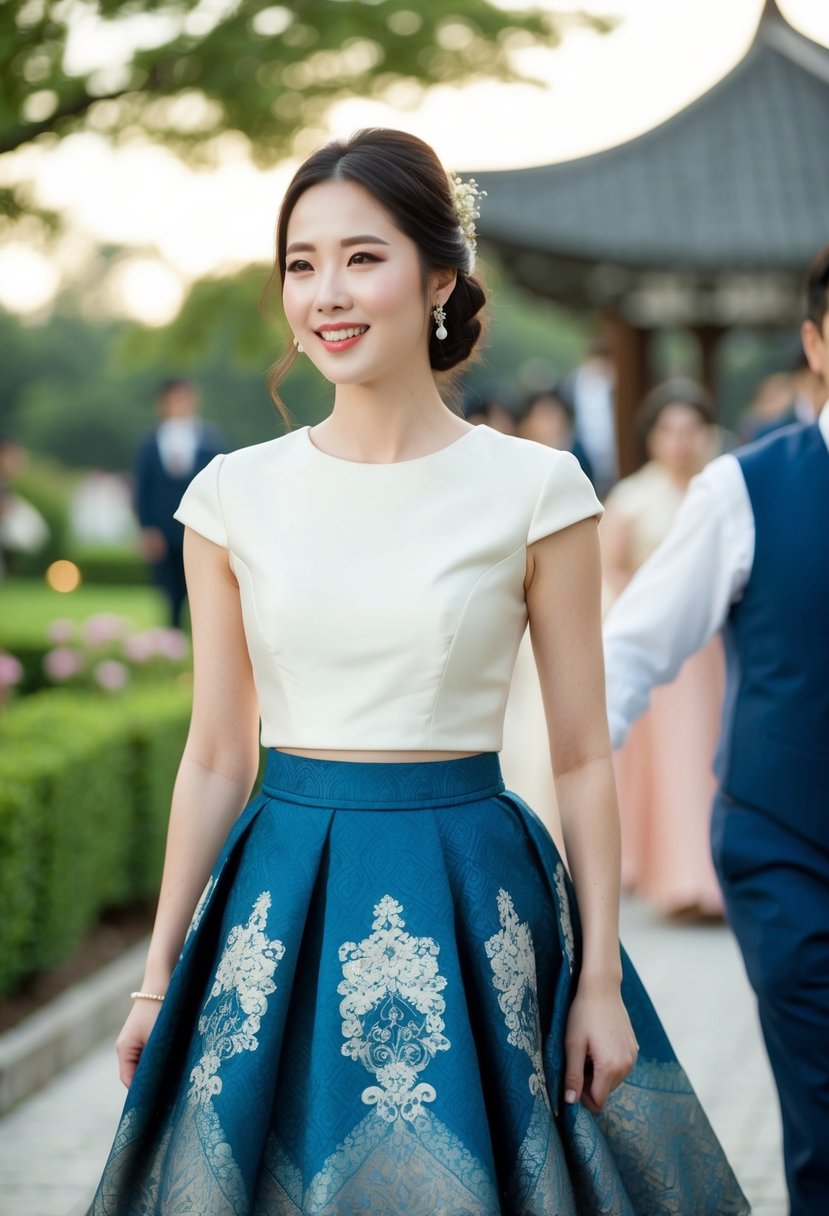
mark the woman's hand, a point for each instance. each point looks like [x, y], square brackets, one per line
[133, 1037]
[599, 1044]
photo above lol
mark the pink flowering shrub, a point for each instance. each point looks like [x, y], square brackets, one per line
[107, 652]
[110, 675]
[61, 631]
[63, 662]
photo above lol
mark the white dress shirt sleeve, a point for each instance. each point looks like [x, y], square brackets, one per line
[681, 596]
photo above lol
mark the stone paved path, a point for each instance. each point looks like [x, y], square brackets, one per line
[52, 1147]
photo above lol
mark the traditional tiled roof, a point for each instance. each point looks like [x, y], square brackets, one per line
[737, 180]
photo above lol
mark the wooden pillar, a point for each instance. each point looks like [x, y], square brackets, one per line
[629, 345]
[709, 338]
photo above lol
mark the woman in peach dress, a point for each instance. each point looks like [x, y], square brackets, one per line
[663, 771]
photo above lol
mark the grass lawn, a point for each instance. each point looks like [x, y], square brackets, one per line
[28, 606]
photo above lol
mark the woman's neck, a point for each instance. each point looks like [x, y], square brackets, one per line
[380, 426]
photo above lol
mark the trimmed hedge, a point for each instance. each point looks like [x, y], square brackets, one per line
[85, 785]
[31, 656]
[111, 565]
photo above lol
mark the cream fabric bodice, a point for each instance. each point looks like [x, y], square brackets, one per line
[383, 604]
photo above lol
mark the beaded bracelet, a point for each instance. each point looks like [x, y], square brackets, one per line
[148, 996]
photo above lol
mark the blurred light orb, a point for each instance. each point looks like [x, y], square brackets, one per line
[270, 22]
[40, 106]
[28, 280]
[146, 290]
[63, 575]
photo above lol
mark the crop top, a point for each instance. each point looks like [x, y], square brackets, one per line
[383, 604]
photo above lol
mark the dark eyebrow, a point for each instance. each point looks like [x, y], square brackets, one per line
[366, 239]
[363, 240]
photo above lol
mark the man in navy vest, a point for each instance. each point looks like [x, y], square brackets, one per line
[749, 555]
[168, 459]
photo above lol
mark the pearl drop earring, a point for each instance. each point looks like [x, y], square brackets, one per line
[439, 313]
[299, 348]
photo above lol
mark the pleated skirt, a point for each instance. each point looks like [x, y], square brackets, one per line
[368, 1016]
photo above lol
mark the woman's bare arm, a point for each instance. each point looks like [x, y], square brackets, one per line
[563, 592]
[214, 779]
[615, 536]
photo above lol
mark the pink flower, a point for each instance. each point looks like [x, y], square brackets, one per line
[110, 675]
[104, 627]
[11, 670]
[62, 663]
[169, 644]
[172, 644]
[140, 647]
[61, 631]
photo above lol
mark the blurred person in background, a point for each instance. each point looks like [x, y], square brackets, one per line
[101, 509]
[663, 772]
[748, 556]
[770, 403]
[168, 459]
[22, 527]
[592, 389]
[548, 417]
[796, 396]
[495, 405]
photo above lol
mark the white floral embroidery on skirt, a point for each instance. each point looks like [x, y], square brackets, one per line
[388, 979]
[512, 958]
[400, 1159]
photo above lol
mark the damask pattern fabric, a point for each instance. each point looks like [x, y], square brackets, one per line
[368, 1014]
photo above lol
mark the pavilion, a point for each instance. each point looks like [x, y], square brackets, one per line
[705, 222]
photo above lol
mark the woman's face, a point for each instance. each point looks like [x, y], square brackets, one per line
[680, 439]
[353, 292]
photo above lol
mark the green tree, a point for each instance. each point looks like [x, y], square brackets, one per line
[263, 72]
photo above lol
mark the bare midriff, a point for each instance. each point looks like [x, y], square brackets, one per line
[372, 757]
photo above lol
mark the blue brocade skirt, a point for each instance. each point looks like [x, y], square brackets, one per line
[368, 1016]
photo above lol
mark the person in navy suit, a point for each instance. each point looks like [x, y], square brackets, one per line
[749, 556]
[167, 460]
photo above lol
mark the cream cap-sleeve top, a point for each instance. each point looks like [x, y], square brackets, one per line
[383, 604]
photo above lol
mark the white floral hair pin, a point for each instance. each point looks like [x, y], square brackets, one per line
[466, 196]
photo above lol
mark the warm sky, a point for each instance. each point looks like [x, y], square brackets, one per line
[178, 224]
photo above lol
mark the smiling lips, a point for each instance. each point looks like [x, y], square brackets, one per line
[341, 337]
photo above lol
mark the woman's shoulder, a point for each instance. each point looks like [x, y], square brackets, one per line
[241, 474]
[523, 455]
[266, 455]
[526, 458]
[545, 485]
[230, 487]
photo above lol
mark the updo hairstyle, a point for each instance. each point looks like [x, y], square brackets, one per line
[405, 176]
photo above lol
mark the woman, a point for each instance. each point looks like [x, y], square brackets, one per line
[369, 1010]
[664, 774]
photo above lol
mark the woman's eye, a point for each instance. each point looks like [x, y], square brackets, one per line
[362, 258]
[299, 264]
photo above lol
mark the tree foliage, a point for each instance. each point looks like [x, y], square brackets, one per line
[237, 65]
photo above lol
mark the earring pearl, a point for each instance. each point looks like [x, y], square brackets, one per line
[439, 313]
[299, 348]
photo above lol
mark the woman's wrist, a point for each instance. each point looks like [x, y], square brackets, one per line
[606, 977]
[155, 980]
